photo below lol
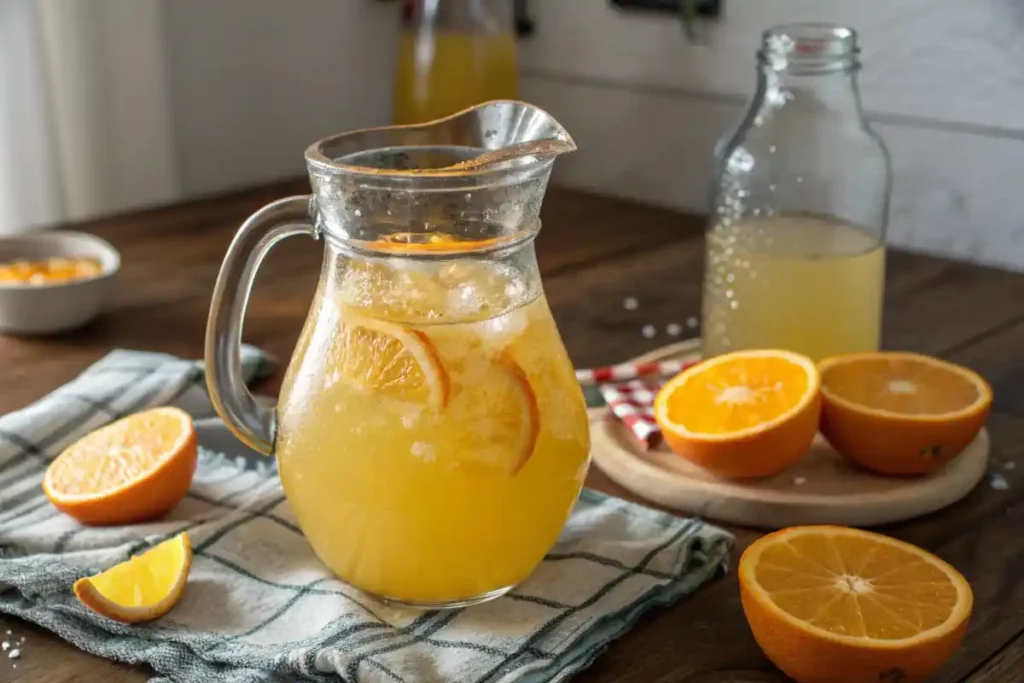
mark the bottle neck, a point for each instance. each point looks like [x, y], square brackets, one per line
[810, 67]
[486, 16]
[834, 94]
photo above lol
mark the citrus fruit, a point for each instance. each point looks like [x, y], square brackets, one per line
[836, 605]
[411, 242]
[900, 413]
[388, 358]
[133, 470]
[499, 420]
[143, 587]
[742, 414]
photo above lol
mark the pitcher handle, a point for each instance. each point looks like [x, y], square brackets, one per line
[250, 421]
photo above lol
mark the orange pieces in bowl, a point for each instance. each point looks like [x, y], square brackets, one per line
[838, 605]
[133, 470]
[143, 587]
[743, 414]
[901, 413]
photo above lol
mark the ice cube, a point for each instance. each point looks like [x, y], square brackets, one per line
[424, 451]
[464, 300]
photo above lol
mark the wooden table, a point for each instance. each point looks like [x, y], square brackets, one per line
[593, 252]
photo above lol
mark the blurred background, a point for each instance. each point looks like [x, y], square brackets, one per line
[112, 105]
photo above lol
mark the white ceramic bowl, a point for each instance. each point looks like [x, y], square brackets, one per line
[61, 306]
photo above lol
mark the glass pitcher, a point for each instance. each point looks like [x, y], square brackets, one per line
[796, 240]
[430, 434]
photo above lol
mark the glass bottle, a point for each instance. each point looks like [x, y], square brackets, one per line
[796, 239]
[454, 54]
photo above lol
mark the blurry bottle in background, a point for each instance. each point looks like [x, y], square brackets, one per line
[453, 54]
[796, 240]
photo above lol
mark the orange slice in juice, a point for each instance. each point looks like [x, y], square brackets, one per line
[132, 470]
[844, 605]
[144, 587]
[389, 358]
[901, 413]
[742, 414]
[412, 242]
[499, 419]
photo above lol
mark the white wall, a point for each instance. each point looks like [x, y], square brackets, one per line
[253, 82]
[943, 82]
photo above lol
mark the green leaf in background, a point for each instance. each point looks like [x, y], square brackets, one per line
[688, 13]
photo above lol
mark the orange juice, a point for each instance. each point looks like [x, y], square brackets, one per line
[794, 282]
[433, 439]
[450, 70]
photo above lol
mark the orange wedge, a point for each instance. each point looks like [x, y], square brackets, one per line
[901, 413]
[743, 414]
[144, 587]
[500, 420]
[837, 605]
[133, 470]
[385, 357]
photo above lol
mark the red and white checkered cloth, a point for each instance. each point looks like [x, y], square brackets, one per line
[629, 389]
[633, 403]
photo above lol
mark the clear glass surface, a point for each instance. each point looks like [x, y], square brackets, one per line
[799, 206]
[430, 433]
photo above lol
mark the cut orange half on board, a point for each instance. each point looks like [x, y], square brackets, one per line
[742, 414]
[144, 587]
[499, 419]
[838, 605]
[901, 413]
[392, 359]
[133, 470]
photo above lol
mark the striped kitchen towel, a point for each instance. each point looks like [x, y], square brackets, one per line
[260, 607]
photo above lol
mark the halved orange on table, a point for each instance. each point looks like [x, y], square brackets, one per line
[133, 470]
[838, 605]
[743, 414]
[901, 413]
[143, 587]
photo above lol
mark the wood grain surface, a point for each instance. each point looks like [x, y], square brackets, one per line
[594, 252]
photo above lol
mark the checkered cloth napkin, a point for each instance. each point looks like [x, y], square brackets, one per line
[633, 403]
[629, 390]
[260, 607]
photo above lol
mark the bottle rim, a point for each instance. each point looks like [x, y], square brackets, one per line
[808, 48]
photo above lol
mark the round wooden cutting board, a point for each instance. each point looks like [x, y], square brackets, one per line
[823, 488]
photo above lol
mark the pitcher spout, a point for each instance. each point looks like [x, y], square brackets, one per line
[480, 173]
[488, 136]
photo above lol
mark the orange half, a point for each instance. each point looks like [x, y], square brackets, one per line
[901, 413]
[742, 414]
[133, 470]
[837, 605]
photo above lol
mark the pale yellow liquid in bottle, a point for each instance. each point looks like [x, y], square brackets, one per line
[420, 504]
[452, 71]
[793, 282]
